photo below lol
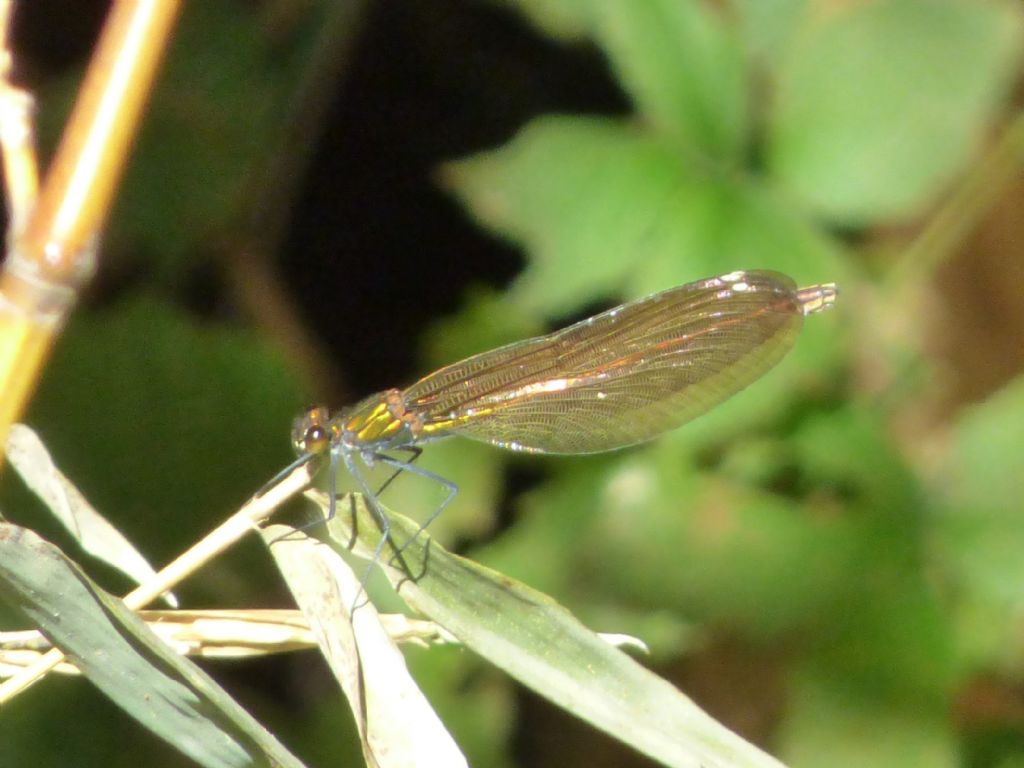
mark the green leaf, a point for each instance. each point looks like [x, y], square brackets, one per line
[849, 453]
[539, 643]
[607, 211]
[132, 666]
[684, 67]
[767, 28]
[891, 633]
[880, 104]
[890, 628]
[576, 192]
[979, 530]
[986, 466]
[665, 535]
[831, 722]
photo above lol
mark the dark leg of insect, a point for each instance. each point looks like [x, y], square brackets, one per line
[283, 474]
[380, 517]
[400, 466]
[408, 466]
[415, 452]
[332, 495]
[363, 486]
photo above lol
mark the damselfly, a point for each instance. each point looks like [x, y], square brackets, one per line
[613, 380]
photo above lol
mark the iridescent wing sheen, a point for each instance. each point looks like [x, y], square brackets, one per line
[623, 376]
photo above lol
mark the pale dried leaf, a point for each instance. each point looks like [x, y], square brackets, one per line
[251, 632]
[617, 640]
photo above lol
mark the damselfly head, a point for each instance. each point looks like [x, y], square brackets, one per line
[312, 432]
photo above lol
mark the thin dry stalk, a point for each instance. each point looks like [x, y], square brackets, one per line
[256, 510]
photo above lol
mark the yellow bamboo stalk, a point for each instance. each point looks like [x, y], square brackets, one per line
[54, 255]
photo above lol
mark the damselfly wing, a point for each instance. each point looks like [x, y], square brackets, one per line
[616, 379]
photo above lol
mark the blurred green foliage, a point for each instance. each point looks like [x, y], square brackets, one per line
[809, 526]
[888, 576]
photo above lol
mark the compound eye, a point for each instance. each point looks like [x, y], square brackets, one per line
[316, 439]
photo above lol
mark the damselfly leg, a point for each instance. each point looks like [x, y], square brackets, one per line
[414, 452]
[408, 466]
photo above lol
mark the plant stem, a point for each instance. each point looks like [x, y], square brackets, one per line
[54, 254]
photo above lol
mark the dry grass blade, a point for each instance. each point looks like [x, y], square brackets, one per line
[221, 634]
